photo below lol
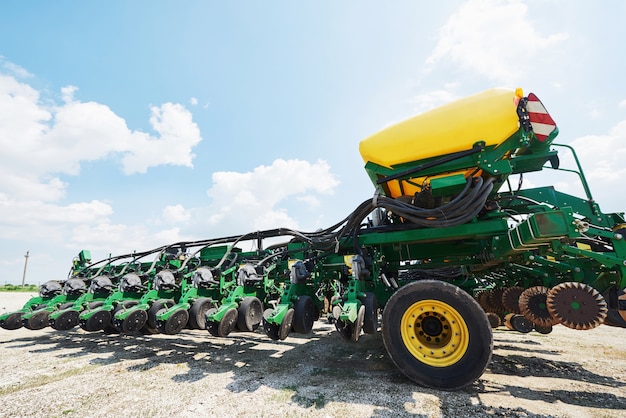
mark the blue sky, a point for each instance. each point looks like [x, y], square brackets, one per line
[128, 125]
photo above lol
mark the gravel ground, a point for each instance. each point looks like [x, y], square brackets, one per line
[49, 373]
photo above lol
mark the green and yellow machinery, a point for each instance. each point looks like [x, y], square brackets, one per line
[447, 248]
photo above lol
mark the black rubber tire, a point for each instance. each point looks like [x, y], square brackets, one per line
[135, 321]
[521, 324]
[303, 315]
[470, 361]
[37, 321]
[285, 326]
[370, 321]
[197, 313]
[228, 323]
[13, 321]
[211, 326]
[543, 329]
[345, 329]
[66, 321]
[154, 309]
[113, 327]
[175, 323]
[249, 314]
[270, 329]
[95, 324]
[357, 328]
[613, 317]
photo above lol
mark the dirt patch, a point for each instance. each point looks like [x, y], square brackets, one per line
[49, 373]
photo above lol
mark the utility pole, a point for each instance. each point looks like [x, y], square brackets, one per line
[25, 264]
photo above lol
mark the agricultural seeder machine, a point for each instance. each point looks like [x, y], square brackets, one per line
[445, 250]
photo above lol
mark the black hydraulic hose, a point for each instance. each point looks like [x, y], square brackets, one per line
[446, 159]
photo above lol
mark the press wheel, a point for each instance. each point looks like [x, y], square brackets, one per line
[12, 321]
[98, 320]
[115, 325]
[249, 314]
[543, 330]
[521, 324]
[156, 308]
[66, 320]
[38, 320]
[270, 328]
[370, 321]
[285, 326]
[175, 323]
[197, 313]
[304, 314]
[135, 321]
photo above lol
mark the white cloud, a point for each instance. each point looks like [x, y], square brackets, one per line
[14, 69]
[250, 201]
[602, 158]
[494, 38]
[41, 140]
[432, 99]
[178, 134]
[175, 214]
[193, 101]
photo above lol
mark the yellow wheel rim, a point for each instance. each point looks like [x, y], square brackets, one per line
[434, 333]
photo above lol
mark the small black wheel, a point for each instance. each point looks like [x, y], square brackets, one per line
[437, 334]
[613, 316]
[135, 321]
[357, 327]
[175, 323]
[543, 329]
[249, 314]
[98, 320]
[211, 326]
[285, 326]
[65, 321]
[155, 307]
[197, 313]
[370, 321]
[13, 321]
[345, 329]
[521, 324]
[303, 315]
[115, 325]
[228, 322]
[38, 320]
[270, 329]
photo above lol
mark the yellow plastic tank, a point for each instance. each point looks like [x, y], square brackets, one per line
[489, 116]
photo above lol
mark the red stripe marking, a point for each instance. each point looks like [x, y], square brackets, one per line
[540, 116]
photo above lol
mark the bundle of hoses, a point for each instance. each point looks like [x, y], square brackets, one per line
[459, 210]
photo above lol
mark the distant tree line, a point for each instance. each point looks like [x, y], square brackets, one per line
[19, 288]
